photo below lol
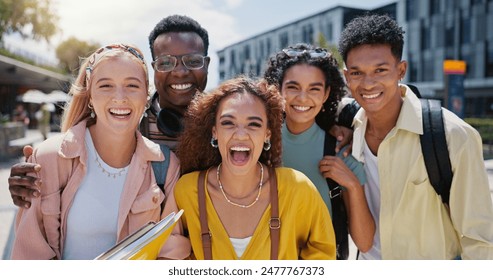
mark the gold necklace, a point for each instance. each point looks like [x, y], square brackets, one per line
[119, 173]
[237, 204]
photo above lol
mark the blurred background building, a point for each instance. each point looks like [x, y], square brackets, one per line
[436, 30]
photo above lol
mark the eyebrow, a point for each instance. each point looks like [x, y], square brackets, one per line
[296, 83]
[249, 118]
[126, 79]
[377, 65]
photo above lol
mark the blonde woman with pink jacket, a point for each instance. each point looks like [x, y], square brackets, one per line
[98, 183]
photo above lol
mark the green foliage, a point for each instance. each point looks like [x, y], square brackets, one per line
[484, 127]
[70, 51]
[322, 42]
[34, 19]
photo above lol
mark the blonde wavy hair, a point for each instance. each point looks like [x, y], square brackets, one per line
[77, 110]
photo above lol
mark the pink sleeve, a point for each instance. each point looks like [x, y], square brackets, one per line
[30, 241]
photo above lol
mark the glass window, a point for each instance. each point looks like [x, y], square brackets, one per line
[283, 40]
[330, 32]
[411, 9]
[435, 7]
[307, 34]
[465, 30]
[489, 59]
[425, 38]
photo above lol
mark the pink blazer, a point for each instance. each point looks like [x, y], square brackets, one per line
[40, 230]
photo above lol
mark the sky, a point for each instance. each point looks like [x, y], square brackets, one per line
[130, 21]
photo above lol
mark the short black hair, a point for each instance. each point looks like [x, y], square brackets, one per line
[178, 23]
[372, 29]
[280, 62]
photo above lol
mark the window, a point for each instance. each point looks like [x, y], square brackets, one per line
[283, 40]
[489, 59]
[330, 32]
[411, 10]
[307, 34]
[428, 70]
[450, 35]
[465, 30]
[413, 69]
[425, 38]
[246, 52]
[435, 7]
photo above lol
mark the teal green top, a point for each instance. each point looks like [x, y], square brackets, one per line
[304, 151]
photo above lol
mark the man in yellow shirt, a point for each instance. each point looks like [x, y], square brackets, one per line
[412, 222]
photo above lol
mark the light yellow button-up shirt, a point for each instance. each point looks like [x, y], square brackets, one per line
[414, 223]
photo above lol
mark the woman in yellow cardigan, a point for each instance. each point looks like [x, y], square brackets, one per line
[234, 135]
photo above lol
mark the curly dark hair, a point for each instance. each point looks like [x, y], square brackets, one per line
[194, 149]
[178, 23]
[280, 62]
[372, 29]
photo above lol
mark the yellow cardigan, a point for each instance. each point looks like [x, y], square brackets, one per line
[306, 227]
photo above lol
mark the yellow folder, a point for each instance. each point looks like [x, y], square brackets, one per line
[145, 243]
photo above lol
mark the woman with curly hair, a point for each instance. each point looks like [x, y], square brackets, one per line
[310, 81]
[232, 137]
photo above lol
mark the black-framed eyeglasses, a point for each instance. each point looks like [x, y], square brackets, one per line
[313, 53]
[167, 63]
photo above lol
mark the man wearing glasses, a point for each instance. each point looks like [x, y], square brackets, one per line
[179, 48]
[179, 51]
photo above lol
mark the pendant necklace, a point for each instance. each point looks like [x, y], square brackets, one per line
[237, 204]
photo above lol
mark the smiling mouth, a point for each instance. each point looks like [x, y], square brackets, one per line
[120, 112]
[301, 108]
[181, 86]
[371, 96]
[239, 153]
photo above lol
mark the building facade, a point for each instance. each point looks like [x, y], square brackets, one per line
[436, 30]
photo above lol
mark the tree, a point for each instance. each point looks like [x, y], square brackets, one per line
[322, 42]
[34, 19]
[71, 50]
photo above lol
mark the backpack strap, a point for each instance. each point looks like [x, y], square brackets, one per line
[204, 227]
[434, 148]
[339, 215]
[160, 168]
[275, 221]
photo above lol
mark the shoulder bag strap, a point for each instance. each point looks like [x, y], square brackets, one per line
[434, 148]
[275, 221]
[160, 168]
[204, 228]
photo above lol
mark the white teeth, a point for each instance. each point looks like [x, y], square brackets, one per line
[301, 108]
[371, 96]
[120, 111]
[181, 86]
[240, 149]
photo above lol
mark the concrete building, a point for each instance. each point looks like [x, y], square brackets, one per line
[250, 56]
[436, 30]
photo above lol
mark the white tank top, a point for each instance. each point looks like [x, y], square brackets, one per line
[93, 215]
[372, 193]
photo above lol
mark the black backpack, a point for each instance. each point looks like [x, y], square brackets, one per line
[339, 215]
[436, 156]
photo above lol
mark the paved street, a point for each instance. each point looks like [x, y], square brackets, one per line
[8, 210]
